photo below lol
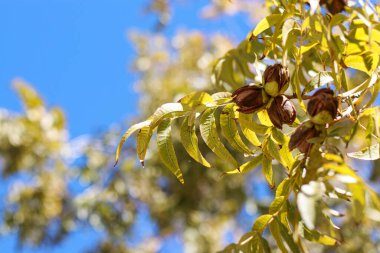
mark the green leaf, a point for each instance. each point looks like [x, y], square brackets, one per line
[287, 159]
[273, 149]
[166, 149]
[250, 135]
[279, 137]
[143, 139]
[246, 121]
[249, 242]
[169, 110]
[366, 62]
[369, 153]
[268, 171]
[127, 134]
[286, 235]
[321, 79]
[283, 188]
[264, 245]
[307, 47]
[196, 98]
[315, 236]
[210, 136]
[266, 23]
[275, 231]
[261, 223]
[358, 201]
[358, 88]
[230, 130]
[248, 166]
[264, 118]
[189, 141]
[276, 205]
[287, 27]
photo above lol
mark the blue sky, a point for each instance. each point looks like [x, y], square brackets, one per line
[76, 54]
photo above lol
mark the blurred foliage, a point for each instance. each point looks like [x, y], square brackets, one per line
[59, 185]
[317, 47]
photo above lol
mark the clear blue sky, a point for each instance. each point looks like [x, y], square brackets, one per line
[76, 54]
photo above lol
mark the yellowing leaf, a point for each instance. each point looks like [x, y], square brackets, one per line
[370, 153]
[276, 205]
[127, 134]
[275, 231]
[189, 141]
[168, 110]
[286, 235]
[266, 23]
[248, 166]
[143, 138]
[262, 222]
[358, 201]
[196, 98]
[246, 121]
[264, 118]
[166, 149]
[315, 236]
[268, 171]
[307, 47]
[210, 136]
[366, 62]
[230, 130]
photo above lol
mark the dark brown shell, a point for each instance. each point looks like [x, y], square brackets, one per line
[277, 73]
[248, 98]
[323, 100]
[282, 111]
[303, 133]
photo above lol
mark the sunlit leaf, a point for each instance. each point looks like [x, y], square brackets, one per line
[276, 205]
[264, 118]
[321, 79]
[196, 98]
[261, 223]
[268, 171]
[143, 139]
[230, 130]
[366, 62]
[127, 134]
[248, 166]
[286, 235]
[189, 140]
[166, 149]
[210, 136]
[266, 23]
[246, 121]
[275, 231]
[370, 153]
[315, 236]
[168, 110]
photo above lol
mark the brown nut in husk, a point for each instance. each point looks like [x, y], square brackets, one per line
[334, 6]
[303, 133]
[249, 98]
[276, 79]
[281, 111]
[323, 106]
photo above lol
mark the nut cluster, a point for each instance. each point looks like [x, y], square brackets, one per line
[334, 6]
[252, 98]
[322, 107]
